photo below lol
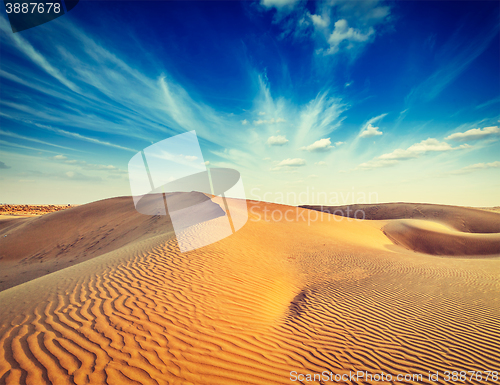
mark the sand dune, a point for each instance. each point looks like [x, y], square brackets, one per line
[312, 294]
[32, 247]
[431, 229]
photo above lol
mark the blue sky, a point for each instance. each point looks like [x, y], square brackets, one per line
[337, 101]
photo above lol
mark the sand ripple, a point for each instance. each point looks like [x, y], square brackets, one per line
[275, 297]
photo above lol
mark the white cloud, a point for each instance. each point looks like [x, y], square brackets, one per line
[428, 145]
[342, 32]
[355, 23]
[270, 121]
[278, 140]
[319, 145]
[289, 163]
[321, 163]
[59, 157]
[414, 151]
[370, 131]
[244, 122]
[475, 134]
[477, 166]
[207, 162]
[261, 113]
[190, 157]
[313, 176]
[279, 4]
[376, 163]
[101, 167]
[339, 143]
[320, 22]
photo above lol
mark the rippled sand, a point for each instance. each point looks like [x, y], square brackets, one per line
[305, 295]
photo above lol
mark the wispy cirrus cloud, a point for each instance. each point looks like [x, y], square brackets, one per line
[269, 121]
[31, 139]
[16, 145]
[124, 106]
[27, 49]
[488, 103]
[82, 164]
[458, 53]
[319, 118]
[84, 138]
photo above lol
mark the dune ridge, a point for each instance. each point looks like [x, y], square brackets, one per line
[275, 297]
[463, 219]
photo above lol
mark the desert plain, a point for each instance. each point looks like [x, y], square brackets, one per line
[101, 294]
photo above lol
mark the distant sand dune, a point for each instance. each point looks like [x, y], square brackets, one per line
[432, 238]
[431, 229]
[30, 210]
[461, 218]
[275, 297]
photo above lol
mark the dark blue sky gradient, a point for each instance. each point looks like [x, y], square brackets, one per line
[109, 78]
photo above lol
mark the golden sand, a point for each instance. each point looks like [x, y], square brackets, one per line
[332, 294]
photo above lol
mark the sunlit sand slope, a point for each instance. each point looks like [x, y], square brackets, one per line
[306, 295]
[32, 247]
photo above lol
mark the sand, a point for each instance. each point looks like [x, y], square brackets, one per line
[315, 293]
